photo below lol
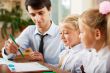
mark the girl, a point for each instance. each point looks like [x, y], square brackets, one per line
[70, 57]
[104, 7]
[93, 34]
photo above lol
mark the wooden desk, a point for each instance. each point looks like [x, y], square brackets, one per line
[4, 69]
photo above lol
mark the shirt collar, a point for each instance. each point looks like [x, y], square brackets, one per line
[50, 32]
[76, 48]
[103, 52]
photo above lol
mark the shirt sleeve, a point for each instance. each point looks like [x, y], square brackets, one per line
[24, 39]
[62, 54]
[76, 68]
[6, 56]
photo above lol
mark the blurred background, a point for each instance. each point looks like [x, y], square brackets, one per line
[14, 18]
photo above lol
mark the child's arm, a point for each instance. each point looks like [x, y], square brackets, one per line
[57, 70]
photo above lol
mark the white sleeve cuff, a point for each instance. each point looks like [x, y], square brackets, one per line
[10, 56]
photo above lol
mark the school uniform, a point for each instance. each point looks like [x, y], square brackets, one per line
[95, 62]
[30, 38]
[71, 59]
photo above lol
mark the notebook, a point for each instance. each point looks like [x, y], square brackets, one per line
[27, 67]
[23, 67]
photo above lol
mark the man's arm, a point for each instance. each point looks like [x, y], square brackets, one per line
[10, 50]
[7, 56]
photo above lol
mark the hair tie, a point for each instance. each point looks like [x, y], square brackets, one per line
[104, 7]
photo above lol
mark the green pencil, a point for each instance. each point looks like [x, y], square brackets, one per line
[16, 44]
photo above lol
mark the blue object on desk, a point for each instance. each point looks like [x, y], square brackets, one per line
[11, 66]
[13, 69]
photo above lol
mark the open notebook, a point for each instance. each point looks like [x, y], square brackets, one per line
[23, 67]
[27, 67]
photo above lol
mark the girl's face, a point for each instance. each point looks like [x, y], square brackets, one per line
[69, 35]
[87, 35]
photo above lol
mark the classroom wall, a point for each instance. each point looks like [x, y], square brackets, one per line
[78, 6]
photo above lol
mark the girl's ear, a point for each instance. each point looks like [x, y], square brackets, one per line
[97, 34]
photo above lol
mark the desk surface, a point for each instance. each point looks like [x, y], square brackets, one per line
[5, 69]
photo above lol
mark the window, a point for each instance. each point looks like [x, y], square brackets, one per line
[60, 9]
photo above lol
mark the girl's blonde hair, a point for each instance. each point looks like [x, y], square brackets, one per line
[94, 19]
[72, 19]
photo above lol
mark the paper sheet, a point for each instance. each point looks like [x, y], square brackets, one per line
[27, 67]
[23, 67]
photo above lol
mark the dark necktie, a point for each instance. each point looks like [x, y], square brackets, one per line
[41, 44]
[82, 69]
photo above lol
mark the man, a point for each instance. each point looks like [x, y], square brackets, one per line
[39, 11]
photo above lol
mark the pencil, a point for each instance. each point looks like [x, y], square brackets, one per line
[16, 44]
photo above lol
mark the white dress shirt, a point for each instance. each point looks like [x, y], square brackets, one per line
[29, 38]
[72, 58]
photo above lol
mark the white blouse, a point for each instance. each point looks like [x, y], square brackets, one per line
[72, 59]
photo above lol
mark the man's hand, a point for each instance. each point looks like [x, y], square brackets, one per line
[11, 47]
[36, 56]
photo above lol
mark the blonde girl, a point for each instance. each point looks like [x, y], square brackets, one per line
[93, 34]
[70, 57]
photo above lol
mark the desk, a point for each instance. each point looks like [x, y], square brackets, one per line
[4, 68]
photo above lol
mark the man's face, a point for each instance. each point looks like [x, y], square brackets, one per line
[41, 17]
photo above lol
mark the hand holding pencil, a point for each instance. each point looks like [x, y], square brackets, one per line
[12, 47]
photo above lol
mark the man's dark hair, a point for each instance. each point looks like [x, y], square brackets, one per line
[38, 4]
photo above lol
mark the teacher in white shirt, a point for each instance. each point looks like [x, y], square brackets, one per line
[49, 45]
